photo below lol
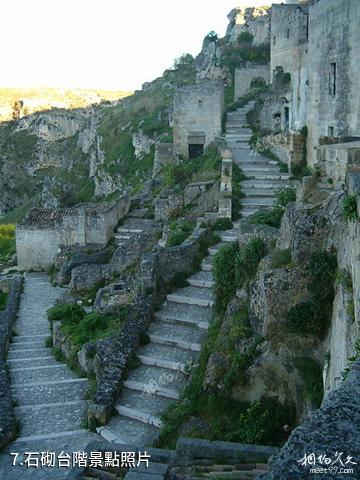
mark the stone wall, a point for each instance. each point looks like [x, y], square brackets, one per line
[289, 37]
[198, 111]
[334, 38]
[243, 77]
[337, 160]
[8, 422]
[164, 155]
[44, 231]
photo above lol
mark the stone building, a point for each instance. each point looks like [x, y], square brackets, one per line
[315, 72]
[45, 230]
[198, 113]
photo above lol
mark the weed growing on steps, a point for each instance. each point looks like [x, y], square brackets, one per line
[179, 231]
[273, 216]
[81, 328]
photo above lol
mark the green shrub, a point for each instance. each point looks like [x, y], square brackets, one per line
[301, 319]
[311, 373]
[80, 327]
[179, 231]
[240, 326]
[237, 177]
[7, 241]
[223, 224]
[224, 275]
[267, 217]
[3, 300]
[91, 327]
[313, 316]
[258, 83]
[322, 272]
[245, 37]
[349, 207]
[247, 261]
[212, 36]
[66, 311]
[206, 166]
[280, 258]
[285, 195]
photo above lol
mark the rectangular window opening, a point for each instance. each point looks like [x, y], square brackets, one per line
[332, 79]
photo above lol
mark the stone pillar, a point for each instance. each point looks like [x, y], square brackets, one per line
[225, 196]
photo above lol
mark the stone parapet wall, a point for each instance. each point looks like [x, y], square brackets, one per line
[244, 76]
[44, 231]
[8, 422]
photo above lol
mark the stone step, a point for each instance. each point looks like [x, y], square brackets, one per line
[150, 403]
[182, 336]
[20, 346]
[206, 264]
[264, 183]
[42, 420]
[51, 392]
[51, 436]
[29, 353]
[129, 230]
[167, 356]
[231, 236]
[157, 377]
[263, 169]
[193, 296]
[267, 176]
[41, 374]
[252, 161]
[259, 192]
[138, 415]
[35, 362]
[201, 279]
[257, 202]
[246, 212]
[28, 338]
[126, 431]
[174, 312]
[213, 250]
[154, 388]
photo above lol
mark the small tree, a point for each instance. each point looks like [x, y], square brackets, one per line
[212, 36]
[184, 59]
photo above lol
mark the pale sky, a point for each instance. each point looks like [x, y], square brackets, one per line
[110, 44]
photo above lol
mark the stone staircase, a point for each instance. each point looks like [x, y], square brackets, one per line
[48, 397]
[264, 176]
[175, 338]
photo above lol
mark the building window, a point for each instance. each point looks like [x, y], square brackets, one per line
[274, 40]
[288, 33]
[330, 131]
[332, 79]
